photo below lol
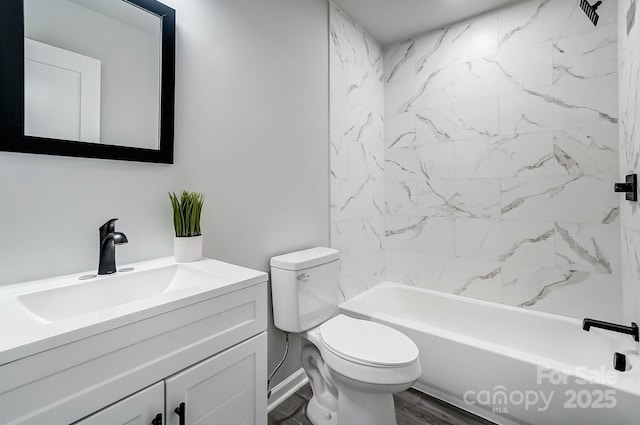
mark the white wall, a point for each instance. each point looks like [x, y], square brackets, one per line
[252, 128]
[252, 125]
[251, 132]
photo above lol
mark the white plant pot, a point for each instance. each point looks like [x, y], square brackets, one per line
[187, 249]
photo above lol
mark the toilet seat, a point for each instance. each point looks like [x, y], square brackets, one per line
[367, 351]
[367, 343]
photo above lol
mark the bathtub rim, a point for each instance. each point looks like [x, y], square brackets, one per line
[628, 382]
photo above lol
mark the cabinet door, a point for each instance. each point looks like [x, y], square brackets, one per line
[227, 389]
[139, 409]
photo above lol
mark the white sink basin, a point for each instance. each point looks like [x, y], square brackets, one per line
[48, 313]
[85, 297]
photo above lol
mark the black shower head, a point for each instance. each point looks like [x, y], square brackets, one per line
[591, 10]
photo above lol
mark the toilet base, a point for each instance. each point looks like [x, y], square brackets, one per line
[319, 415]
[356, 408]
[359, 405]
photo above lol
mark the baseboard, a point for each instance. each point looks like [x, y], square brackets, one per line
[286, 388]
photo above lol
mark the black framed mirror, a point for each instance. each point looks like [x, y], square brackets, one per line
[88, 78]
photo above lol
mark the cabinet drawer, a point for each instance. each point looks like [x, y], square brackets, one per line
[138, 409]
[67, 383]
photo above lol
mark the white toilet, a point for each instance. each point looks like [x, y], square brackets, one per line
[354, 366]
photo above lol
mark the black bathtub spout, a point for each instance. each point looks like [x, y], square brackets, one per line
[632, 330]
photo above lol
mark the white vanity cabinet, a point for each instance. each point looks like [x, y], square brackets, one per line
[226, 389]
[207, 350]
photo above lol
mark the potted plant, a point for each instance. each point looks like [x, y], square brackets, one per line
[187, 211]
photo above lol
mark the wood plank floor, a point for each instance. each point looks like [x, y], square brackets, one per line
[412, 408]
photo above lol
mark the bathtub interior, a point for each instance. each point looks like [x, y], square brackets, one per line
[491, 325]
[470, 345]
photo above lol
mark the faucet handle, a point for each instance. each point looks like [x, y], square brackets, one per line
[108, 227]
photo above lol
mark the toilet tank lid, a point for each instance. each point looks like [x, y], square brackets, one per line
[305, 259]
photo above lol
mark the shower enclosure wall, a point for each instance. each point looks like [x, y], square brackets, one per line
[494, 177]
[629, 60]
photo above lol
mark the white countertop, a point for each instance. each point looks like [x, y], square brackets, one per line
[23, 333]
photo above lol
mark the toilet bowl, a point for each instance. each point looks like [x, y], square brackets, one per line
[354, 366]
[365, 363]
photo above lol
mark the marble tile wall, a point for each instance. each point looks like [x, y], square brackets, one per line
[357, 153]
[501, 150]
[629, 71]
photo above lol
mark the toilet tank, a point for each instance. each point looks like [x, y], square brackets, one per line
[304, 288]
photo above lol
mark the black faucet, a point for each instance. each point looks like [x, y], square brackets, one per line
[109, 238]
[631, 330]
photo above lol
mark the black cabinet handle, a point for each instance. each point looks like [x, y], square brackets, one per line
[180, 411]
[157, 420]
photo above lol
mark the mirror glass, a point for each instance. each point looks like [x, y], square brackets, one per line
[92, 72]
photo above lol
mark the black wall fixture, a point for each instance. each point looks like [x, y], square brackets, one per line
[12, 137]
[620, 362]
[590, 10]
[630, 187]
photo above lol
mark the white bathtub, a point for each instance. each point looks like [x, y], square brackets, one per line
[510, 365]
